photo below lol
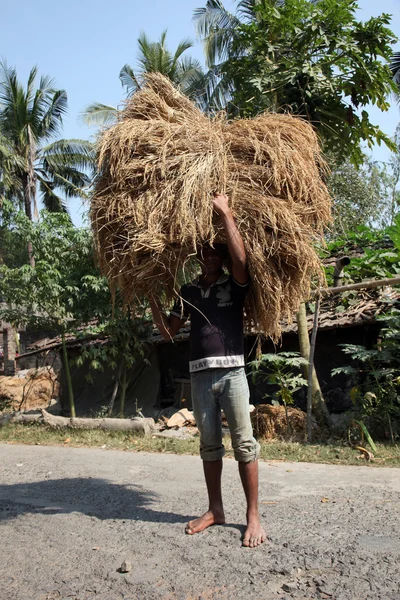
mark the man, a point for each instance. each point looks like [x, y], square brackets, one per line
[215, 304]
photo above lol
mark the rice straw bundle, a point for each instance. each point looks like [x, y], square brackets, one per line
[158, 168]
[269, 423]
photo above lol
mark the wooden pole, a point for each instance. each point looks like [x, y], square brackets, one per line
[311, 369]
[374, 283]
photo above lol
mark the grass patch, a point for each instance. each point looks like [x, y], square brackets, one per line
[336, 452]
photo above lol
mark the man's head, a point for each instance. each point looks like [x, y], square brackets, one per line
[211, 259]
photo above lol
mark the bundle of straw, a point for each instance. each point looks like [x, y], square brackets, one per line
[271, 422]
[151, 209]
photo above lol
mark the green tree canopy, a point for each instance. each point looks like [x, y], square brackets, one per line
[314, 59]
[367, 196]
[65, 293]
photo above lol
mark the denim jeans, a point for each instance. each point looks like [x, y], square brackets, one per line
[226, 389]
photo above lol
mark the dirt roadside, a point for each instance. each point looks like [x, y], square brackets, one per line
[69, 517]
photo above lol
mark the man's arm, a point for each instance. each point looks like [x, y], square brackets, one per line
[233, 238]
[167, 326]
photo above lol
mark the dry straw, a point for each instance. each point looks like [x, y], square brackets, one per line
[270, 422]
[158, 168]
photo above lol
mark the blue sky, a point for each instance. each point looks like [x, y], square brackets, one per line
[83, 45]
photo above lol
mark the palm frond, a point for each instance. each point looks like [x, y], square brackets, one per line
[217, 28]
[181, 48]
[395, 69]
[51, 201]
[72, 182]
[77, 153]
[52, 121]
[99, 114]
[245, 9]
[129, 79]
[212, 15]
[30, 84]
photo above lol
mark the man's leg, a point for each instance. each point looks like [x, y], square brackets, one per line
[254, 534]
[215, 514]
[207, 413]
[235, 403]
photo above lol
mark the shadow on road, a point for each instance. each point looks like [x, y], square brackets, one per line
[93, 497]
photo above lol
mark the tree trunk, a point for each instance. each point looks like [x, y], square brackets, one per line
[311, 370]
[28, 212]
[124, 385]
[68, 376]
[139, 425]
[113, 396]
[20, 418]
[145, 426]
[318, 401]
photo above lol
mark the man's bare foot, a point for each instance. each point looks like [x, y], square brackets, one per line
[209, 518]
[254, 534]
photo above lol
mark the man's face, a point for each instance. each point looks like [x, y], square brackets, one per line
[210, 260]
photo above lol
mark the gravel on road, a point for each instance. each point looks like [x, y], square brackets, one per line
[92, 524]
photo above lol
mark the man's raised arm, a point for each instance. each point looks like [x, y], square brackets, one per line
[233, 239]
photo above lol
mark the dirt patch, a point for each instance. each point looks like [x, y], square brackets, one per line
[30, 389]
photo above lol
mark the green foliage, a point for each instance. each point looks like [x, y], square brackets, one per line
[376, 374]
[375, 254]
[118, 351]
[64, 290]
[121, 341]
[12, 253]
[313, 58]
[283, 371]
[367, 196]
[364, 433]
[155, 57]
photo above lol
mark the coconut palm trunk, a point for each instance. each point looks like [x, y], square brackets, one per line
[28, 211]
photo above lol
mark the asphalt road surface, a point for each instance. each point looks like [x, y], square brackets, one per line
[70, 517]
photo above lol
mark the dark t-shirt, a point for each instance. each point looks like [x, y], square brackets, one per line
[216, 315]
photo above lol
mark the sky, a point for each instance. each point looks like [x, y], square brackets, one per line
[83, 44]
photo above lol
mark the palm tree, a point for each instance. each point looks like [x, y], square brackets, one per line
[223, 42]
[219, 31]
[154, 57]
[395, 68]
[218, 28]
[30, 162]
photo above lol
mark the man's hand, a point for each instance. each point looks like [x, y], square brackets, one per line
[167, 326]
[221, 204]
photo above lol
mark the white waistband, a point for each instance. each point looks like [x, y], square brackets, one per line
[216, 362]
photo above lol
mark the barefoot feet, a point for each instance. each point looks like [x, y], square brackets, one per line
[254, 534]
[209, 518]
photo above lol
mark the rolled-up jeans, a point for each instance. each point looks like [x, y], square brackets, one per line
[226, 389]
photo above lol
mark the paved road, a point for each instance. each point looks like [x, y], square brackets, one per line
[69, 518]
